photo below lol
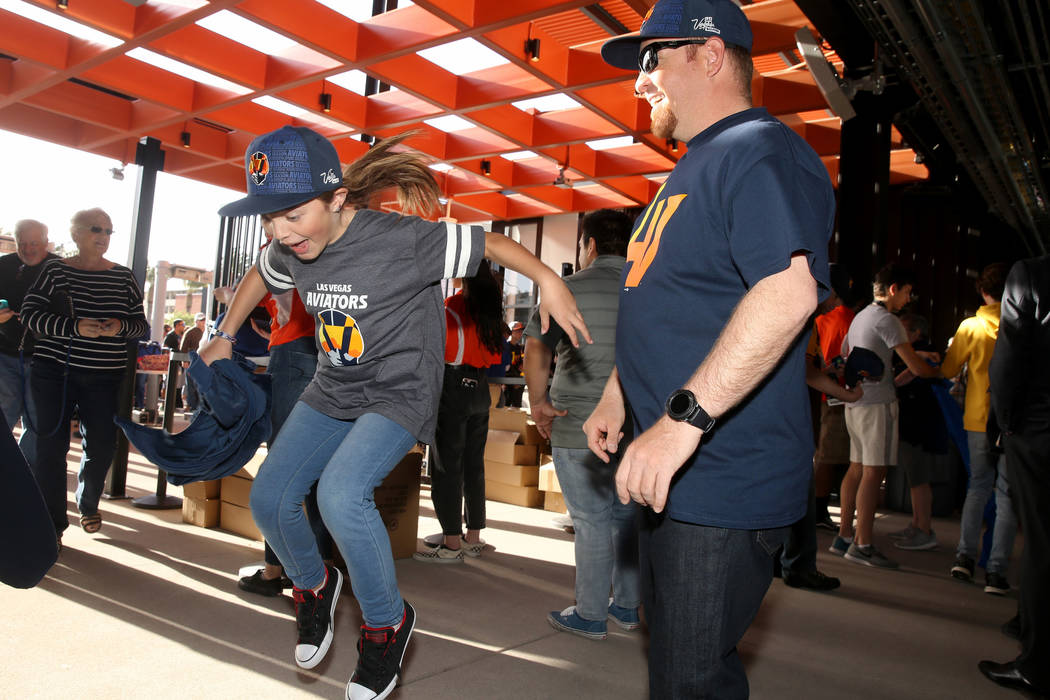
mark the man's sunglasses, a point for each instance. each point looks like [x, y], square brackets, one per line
[649, 58]
[99, 229]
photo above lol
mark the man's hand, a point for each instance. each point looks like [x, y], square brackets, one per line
[543, 415]
[603, 427]
[215, 349]
[6, 315]
[89, 328]
[652, 459]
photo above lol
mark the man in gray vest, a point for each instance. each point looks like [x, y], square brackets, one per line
[606, 534]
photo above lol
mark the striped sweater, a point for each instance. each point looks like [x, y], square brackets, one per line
[62, 295]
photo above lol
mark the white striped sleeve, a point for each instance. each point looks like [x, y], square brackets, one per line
[462, 252]
[273, 272]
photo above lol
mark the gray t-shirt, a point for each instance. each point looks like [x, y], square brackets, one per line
[380, 314]
[581, 373]
[878, 330]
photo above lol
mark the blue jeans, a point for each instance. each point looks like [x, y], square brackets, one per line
[17, 400]
[96, 395]
[983, 480]
[701, 588]
[606, 533]
[291, 368]
[347, 460]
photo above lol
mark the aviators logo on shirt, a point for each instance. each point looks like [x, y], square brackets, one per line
[340, 337]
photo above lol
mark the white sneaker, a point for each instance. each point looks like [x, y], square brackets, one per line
[440, 555]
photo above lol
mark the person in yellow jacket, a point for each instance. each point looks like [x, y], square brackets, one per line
[972, 346]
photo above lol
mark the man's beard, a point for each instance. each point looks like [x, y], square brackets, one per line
[664, 121]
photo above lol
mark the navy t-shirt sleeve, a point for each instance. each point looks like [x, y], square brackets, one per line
[274, 271]
[775, 212]
[445, 250]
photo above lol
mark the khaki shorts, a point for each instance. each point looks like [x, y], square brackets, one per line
[833, 444]
[873, 434]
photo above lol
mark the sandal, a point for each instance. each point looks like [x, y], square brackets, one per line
[91, 523]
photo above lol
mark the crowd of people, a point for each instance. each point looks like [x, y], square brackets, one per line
[683, 336]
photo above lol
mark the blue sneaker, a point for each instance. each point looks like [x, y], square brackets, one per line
[568, 620]
[626, 618]
[840, 545]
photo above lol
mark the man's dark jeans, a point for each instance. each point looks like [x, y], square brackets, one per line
[701, 588]
[459, 468]
[95, 394]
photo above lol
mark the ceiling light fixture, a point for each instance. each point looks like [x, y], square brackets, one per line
[560, 181]
[486, 168]
[673, 145]
[185, 138]
[62, 4]
[532, 49]
[326, 99]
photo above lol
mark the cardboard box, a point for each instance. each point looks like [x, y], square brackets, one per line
[397, 499]
[554, 502]
[251, 469]
[238, 520]
[548, 478]
[237, 491]
[518, 421]
[512, 474]
[202, 512]
[201, 489]
[505, 446]
[528, 496]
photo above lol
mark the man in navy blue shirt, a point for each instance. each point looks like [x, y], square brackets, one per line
[723, 271]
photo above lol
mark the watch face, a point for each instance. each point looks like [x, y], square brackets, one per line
[680, 404]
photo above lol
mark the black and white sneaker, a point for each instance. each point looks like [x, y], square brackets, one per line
[380, 652]
[314, 616]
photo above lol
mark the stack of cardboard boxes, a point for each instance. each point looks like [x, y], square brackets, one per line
[552, 498]
[226, 503]
[512, 458]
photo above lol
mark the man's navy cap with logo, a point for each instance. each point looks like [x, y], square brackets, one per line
[681, 19]
[285, 168]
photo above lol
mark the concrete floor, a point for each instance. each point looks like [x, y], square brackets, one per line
[150, 608]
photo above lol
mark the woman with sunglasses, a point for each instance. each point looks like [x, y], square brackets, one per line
[84, 310]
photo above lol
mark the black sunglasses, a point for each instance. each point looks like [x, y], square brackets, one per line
[99, 229]
[649, 58]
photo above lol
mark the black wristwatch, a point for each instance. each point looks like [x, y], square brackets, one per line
[682, 406]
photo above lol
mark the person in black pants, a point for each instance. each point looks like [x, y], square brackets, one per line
[457, 487]
[1020, 388]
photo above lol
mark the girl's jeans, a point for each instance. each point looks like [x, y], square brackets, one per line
[348, 460]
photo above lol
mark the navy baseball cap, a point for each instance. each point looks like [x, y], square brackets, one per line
[285, 168]
[681, 19]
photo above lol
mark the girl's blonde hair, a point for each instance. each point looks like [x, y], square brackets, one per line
[381, 168]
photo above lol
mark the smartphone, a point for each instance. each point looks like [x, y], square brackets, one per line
[3, 303]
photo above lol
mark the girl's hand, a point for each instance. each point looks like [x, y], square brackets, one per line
[557, 301]
[214, 349]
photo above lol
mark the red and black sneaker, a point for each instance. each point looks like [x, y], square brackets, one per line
[314, 615]
[380, 652]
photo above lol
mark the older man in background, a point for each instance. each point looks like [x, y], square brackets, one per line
[18, 272]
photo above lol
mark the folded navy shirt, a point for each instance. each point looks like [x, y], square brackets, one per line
[231, 423]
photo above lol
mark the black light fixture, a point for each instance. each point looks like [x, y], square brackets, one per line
[326, 99]
[185, 137]
[532, 49]
[62, 4]
[486, 168]
[673, 145]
